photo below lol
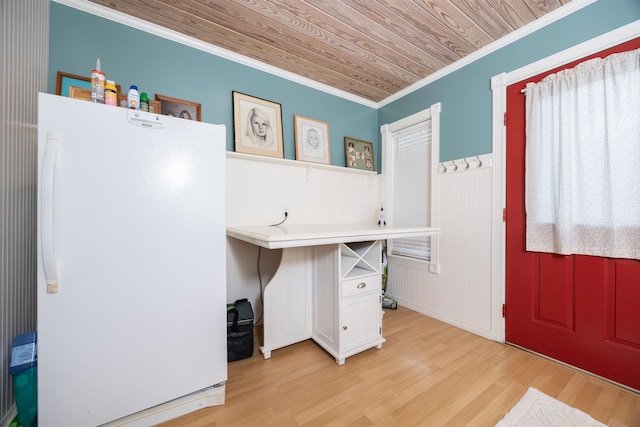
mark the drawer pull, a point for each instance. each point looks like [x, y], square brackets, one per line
[344, 328]
[361, 285]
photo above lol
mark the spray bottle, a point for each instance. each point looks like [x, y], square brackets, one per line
[97, 84]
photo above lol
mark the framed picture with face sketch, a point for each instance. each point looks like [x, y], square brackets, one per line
[312, 140]
[257, 126]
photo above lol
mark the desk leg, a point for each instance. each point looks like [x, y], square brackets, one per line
[287, 301]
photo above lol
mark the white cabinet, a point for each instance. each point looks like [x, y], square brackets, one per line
[347, 292]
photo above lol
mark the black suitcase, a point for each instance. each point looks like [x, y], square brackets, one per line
[239, 330]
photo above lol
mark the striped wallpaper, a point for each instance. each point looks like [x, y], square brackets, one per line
[25, 34]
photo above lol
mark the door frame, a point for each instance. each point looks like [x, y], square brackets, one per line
[499, 84]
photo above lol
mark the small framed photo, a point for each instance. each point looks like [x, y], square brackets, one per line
[179, 108]
[312, 140]
[257, 126]
[359, 154]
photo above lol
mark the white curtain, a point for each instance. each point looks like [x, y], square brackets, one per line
[582, 179]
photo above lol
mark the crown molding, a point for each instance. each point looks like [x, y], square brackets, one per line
[157, 30]
[124, 19]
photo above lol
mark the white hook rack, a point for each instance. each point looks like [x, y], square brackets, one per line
[464, 164]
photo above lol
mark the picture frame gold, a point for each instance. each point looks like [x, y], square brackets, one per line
[312, 140]
[175, 107]
[358, 154]
[257, 126]
[64, 82]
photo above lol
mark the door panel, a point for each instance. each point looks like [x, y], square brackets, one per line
[555, 303]
[578, 309]
[624, 313]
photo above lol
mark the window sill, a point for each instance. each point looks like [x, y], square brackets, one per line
[428, 266]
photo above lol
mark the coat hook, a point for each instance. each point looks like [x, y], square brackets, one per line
[479, 161]
[466, 164]
[455, 166]
[443, 168]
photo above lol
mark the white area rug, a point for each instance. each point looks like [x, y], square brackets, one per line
[536, 409]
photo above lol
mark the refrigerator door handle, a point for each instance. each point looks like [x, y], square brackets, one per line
[46, 201]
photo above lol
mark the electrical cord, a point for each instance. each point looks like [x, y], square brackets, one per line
[261, 291]
[286, 214]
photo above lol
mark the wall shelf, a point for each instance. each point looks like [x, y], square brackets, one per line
[297, 163]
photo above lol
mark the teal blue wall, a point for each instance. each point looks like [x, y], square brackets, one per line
[157, 65]
[466, 93]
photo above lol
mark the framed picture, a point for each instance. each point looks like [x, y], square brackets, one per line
[312, 140]
[179, 107]
[65, 80]
[359, 154]
[257, 126]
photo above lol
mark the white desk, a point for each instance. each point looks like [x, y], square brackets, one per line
[327, 285]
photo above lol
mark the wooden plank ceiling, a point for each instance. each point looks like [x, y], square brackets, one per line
[371, 49]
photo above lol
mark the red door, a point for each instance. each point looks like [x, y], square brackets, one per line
[581, 310]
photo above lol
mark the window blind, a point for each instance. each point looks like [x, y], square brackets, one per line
[411, 187]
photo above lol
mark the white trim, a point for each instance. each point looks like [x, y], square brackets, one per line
[411, 120]
[110, 14]
[212, 396]
[309, 166]
[157, 30]
[387, 130]
[498, 226]
[434, 264]
[499, 85]
[522, 32]
[445, 317]
[605, 41]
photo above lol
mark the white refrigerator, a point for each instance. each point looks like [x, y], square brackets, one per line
[131, 265]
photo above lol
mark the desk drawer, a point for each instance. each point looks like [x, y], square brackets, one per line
[361, 285]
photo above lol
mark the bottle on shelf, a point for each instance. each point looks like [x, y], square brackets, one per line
[110, 93]
[97, 84]
[144, 101]
[133, 98]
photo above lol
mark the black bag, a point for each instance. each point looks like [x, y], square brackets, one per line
[239, 330]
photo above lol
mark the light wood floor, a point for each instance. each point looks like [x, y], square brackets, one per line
[428, 373]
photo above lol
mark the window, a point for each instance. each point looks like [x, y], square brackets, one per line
[409, 166]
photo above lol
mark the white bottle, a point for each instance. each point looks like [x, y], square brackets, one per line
[133, 98]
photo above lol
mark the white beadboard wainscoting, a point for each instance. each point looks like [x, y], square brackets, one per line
[260, 188]
[461, 294]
